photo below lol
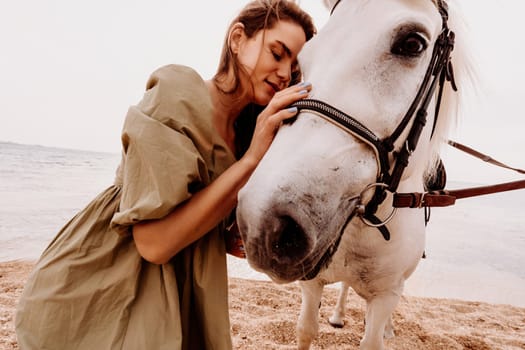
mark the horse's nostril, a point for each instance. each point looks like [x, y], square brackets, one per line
[291, 243]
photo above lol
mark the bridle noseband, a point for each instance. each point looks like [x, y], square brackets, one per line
[438, 72]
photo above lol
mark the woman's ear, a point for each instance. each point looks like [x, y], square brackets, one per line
[236, 37]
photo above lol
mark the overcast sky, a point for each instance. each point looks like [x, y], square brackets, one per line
[69, 70]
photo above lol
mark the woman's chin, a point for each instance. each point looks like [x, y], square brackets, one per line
[264, 98]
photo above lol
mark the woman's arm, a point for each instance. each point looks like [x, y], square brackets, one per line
[159, 240]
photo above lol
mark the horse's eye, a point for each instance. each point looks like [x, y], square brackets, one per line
[411, 45]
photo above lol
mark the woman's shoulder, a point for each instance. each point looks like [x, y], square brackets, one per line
[175, 74]
[176, 91]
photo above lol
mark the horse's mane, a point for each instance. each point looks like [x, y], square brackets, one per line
[453, 102]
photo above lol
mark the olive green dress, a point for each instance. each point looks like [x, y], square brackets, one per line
[91, 289]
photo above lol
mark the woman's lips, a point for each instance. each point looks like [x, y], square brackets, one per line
[275, 87]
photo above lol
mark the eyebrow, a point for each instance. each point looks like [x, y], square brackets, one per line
[285, 48]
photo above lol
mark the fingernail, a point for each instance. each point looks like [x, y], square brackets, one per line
[305, 83]
[303, 92]
[292, 110]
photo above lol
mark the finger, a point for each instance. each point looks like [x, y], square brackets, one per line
[294, 89]
[276, 120]
[285, 99]
[303, 85]
[301, 89]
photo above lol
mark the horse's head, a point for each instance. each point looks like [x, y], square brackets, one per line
[369, 61]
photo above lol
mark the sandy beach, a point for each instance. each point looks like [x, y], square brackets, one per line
[468, 294]
[263, 316]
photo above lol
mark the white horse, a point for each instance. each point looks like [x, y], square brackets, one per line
[309, 210]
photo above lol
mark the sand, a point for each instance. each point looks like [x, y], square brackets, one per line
[264, 314]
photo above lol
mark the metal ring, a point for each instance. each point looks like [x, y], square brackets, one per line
[372, 185]
[385, 221]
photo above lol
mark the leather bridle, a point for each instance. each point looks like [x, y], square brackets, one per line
[438, 73]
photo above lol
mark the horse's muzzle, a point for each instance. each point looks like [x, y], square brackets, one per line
[289, 245]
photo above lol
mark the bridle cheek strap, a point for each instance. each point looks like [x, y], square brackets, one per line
[333, 8]
[438, 72]
[383, 148]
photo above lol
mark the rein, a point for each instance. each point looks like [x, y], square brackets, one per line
[444, 198]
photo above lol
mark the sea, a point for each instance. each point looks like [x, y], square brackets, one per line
[475, 250]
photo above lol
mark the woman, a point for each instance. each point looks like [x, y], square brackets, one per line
[143, 265]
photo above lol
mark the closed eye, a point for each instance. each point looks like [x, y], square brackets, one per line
[279, 50]
[277, 56]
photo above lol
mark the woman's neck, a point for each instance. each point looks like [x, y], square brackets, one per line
[226, 109]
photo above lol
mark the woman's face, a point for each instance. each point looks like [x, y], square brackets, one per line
[269, 58]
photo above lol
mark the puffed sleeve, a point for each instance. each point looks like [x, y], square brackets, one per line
[164, 148]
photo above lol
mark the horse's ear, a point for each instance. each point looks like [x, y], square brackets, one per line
[329, 4]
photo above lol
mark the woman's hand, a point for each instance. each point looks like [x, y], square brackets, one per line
[272, 117]
[159, 240]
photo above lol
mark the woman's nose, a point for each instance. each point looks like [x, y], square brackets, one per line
[285, 73]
